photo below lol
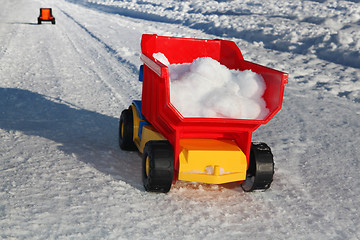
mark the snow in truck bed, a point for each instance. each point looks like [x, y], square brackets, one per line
[205, 88]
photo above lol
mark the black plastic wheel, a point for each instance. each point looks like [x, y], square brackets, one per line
[126, 130]
[261, 168]
[158, 166]
[39, 21]
[53, 21]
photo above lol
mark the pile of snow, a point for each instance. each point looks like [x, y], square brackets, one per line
[327, 28]
[205, 88]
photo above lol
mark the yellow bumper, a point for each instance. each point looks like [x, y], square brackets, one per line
[211, 161]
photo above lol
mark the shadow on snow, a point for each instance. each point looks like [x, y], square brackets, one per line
[91, 136]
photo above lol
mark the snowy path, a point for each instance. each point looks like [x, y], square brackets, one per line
[62, 88]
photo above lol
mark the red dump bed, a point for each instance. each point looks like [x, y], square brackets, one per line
[159, 111]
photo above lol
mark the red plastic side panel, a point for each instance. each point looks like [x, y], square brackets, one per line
[185, 50]
[275, 86]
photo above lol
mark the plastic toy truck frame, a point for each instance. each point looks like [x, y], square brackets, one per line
[46, 15]
[208, 150]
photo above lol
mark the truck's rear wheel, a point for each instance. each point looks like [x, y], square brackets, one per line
[261, 168]
[157, 166]
[126, 130]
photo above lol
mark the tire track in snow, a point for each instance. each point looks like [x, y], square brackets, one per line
[106, 46]
[307, 166]
[5, 41]
[128, 72]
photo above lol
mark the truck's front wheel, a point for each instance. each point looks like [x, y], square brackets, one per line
[157, 166]
[261, 168]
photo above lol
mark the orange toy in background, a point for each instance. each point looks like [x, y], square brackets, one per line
[46, 15]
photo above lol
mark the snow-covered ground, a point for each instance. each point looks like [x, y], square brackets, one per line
[63, 87]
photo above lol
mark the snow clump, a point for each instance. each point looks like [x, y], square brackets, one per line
[205, 88]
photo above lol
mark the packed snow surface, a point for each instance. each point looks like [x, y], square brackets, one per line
[205, 88]
[63, 87]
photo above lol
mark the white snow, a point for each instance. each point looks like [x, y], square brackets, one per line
[205, 88]
[163, 59]
[63, 87]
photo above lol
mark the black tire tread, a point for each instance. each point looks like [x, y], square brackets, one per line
[126, 140]
[161, 166]
[261, 167]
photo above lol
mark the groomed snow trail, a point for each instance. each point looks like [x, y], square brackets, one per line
[62, 89]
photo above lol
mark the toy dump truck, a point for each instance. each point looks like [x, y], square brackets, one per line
[46, 15]
[207, 150]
